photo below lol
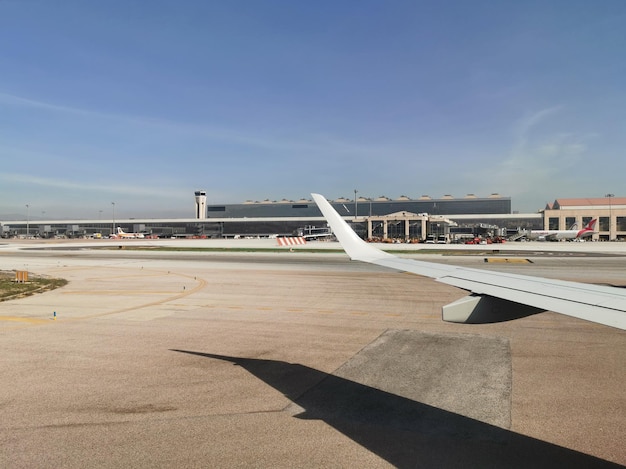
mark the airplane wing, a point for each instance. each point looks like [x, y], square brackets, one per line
[495, 296]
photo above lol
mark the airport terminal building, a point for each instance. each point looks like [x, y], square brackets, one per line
[610, 211]
[382, 217]
[364, 207]
[289, 217]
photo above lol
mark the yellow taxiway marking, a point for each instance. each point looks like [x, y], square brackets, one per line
[507, 260]
[175, 295]
[26, 320]
[118, 292]
[201, 284]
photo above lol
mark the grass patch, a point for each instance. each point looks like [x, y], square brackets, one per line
[10, 290]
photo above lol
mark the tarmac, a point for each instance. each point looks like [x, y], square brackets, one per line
[299, 359]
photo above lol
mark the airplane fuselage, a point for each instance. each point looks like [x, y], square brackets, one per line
[557, 235]
[123, 235]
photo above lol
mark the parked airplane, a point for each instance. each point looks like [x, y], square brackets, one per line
[555, 235]
[495, 296]
[122, 234]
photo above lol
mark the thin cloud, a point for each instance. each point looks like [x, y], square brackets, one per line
[17, 179]
[523, 130]
[15, 100]
[538, 158]
[300, 143]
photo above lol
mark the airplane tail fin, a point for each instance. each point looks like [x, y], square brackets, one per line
[588, 230]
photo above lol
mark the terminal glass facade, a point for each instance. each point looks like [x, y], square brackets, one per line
[364, 208]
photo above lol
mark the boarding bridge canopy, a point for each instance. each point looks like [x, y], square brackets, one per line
[406, 218]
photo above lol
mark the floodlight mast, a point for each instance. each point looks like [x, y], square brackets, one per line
[113, 226]
[610, 196]
[27, 220]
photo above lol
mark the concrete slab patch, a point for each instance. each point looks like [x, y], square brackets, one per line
[468, 375]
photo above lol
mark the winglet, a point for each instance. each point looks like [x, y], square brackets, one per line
[354, 246]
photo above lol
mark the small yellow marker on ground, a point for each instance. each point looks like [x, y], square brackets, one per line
[507, 260]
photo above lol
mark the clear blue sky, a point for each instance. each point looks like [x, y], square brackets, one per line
[142, 102]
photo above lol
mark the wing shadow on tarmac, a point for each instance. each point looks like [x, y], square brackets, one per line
[404, 432]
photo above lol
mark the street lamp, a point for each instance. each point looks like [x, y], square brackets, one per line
[609, 196]
[27, 220]
[113, 227]
[355, 204]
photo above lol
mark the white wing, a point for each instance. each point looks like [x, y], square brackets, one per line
[496, 296]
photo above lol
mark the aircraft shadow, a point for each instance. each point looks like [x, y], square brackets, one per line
[404, 432]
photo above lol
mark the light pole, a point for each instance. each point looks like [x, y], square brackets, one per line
[355, 204]
[27, 220]
[113, 227]
[609, 196]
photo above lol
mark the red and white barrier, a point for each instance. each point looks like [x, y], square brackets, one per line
[290, 241]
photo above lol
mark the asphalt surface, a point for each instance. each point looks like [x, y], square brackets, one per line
[297, 359]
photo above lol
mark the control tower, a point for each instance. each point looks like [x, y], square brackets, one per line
[200, 205]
